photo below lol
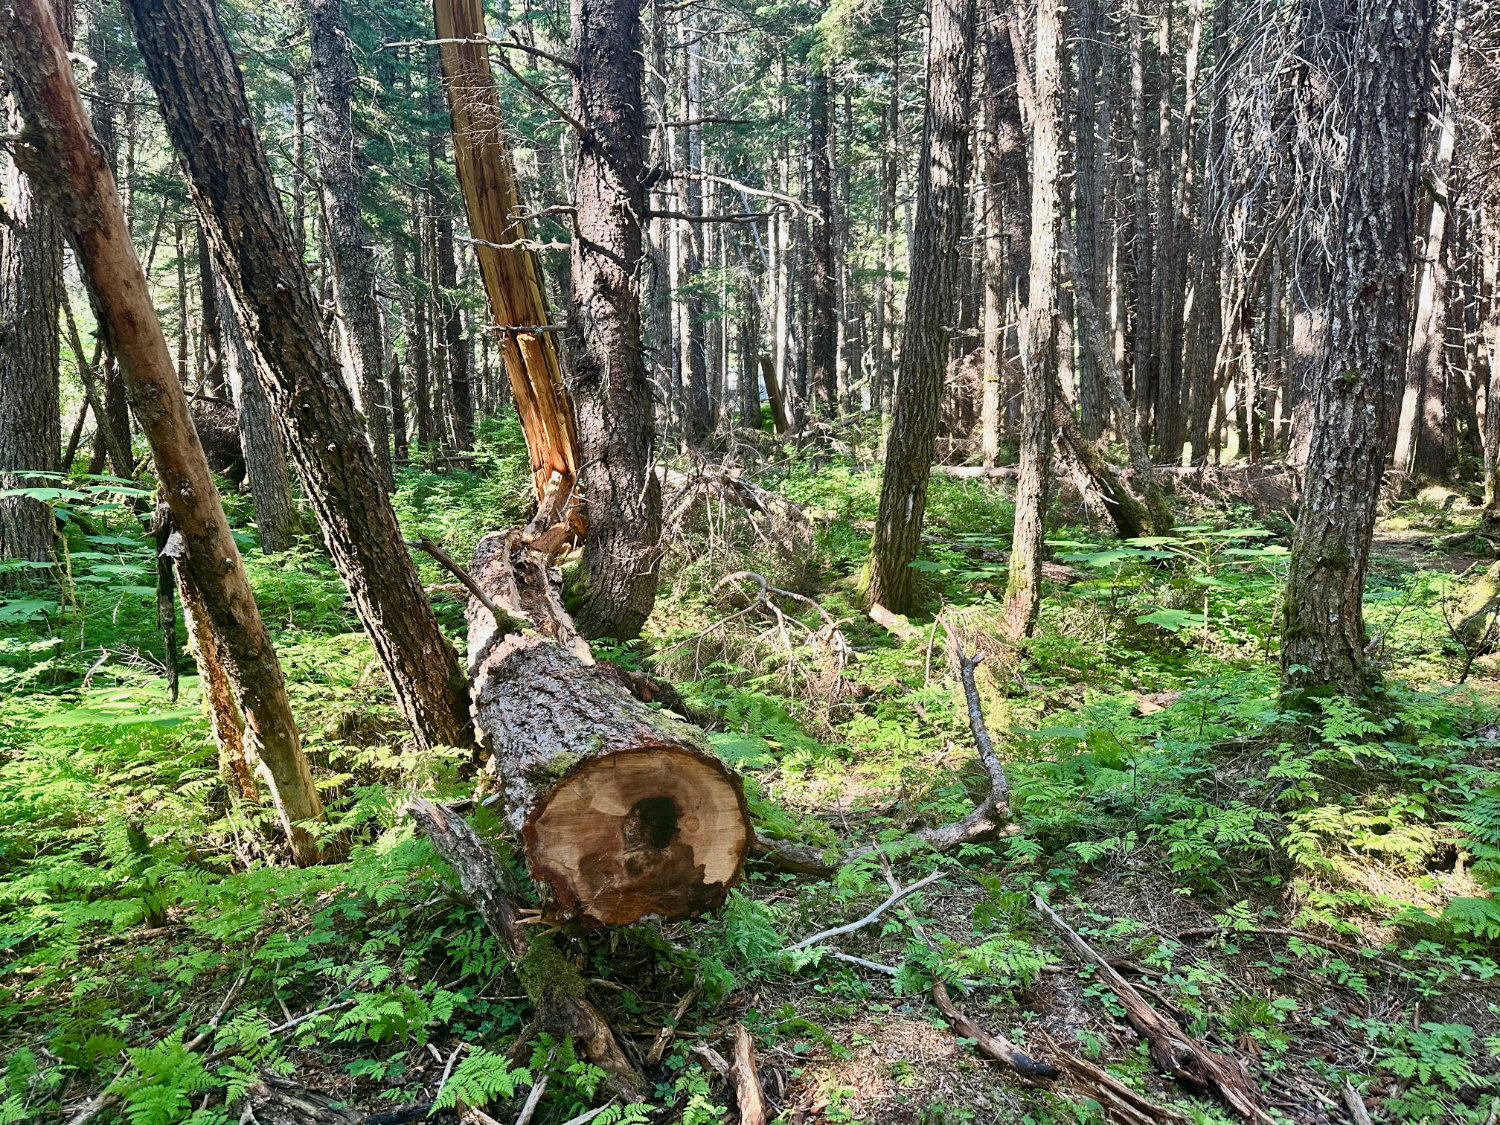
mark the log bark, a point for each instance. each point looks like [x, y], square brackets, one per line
[623, 811]
[512, 281]
[65, 162]
[208, 116]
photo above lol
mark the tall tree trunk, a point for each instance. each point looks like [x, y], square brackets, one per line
[1363, 362]
[1419, 441]
[455, 346]
[209, 120]
[340, 170]
[931, 297]
[62, 150]
[1089, 182]
[823, 342]
[1023, 591]
[611, 390]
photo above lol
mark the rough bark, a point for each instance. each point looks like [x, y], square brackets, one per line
[267, 471]
[623, 811]
[66, 164]
[340, 170]
[1363, 362]
[511, 278]
[930, 300]
[31, 282]
[1089, 185]
[1023, 592]
[611, 389]
[208, 118]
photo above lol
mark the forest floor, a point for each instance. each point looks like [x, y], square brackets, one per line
[1342, 858]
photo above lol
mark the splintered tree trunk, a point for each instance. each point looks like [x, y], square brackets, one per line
[622, 810]
[1023, 593]
[1363, 362]
[339, 170]
[511, 278]
[30, 411]
[616, 421]
[66, 164]
[209, 120]
[930, 300]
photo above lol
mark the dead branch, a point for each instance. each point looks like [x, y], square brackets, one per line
[1171, 1048]
[746, 1081]
[1275, 931]
[669, 1029]
[1119, 1100]
[897, 895]
[503, 620]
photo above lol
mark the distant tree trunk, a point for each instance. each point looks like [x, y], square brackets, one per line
[1002, 121]
[1089, 185]
[63, 150]
[1023, 591]
[611, 390]
[31, 252]
[267, 472]
[823, 342]
[340, 170]
[693, 336]
[418, 340]
[1143, 325]
[209, 120]
[931, 298]
[212, 327]
[1363, 362]
[396, 386]
[1419, 434]
[454, 349]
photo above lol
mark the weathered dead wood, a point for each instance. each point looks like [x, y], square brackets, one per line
[746, 1082]
[1119, 1100]
[1172, 1049]
[669, 1029]
[986, 820]
[512, 280]
[623, 811]
[552, 982]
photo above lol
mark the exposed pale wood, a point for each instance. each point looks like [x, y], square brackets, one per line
[512, 281]
[747, 1092]
[623, 811]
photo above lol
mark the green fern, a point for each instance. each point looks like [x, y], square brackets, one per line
[482, 1077]
[166, 1077]
[1478, 916]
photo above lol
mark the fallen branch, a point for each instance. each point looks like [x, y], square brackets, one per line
[897, 896]
[1172, 1049]
[1119, 1100]
[746, 1082]
[505, 622]
[669, 1029]
[997, 1047]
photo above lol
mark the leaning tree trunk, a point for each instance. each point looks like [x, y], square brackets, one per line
[512, 280]
[208, 117]
[1023, 592]
[1362, 365]
[30, 411]
[612, 393]
[66, 163]
[339, 173]
[622, 810]
[930, 301]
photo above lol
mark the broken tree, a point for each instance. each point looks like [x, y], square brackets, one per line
[623, 810]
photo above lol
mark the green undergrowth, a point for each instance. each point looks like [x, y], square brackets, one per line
[155, 942]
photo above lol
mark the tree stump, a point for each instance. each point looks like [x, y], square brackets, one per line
[623, 811]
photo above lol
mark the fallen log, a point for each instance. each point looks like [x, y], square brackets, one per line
[1172, 1049]
[623, 811]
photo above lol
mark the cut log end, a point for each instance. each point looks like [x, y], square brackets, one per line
[650, 830]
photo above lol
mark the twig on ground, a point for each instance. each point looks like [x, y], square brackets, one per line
[585, 1118]
[897, 895]
[875, 966]
[745, 1080]
[533, 1099]
[447, 1070]
[213, 1024]
[669, 1029]
[1118, 1099]
[1171, 1048]
[1355, 1103]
